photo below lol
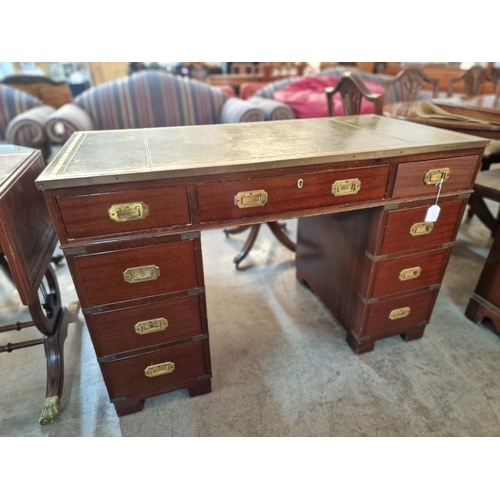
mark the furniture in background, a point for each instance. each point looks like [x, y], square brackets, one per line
[486, 187]
[27, 243]
[22, 120]
[441, 71]
[352, 90]
[484, 110]
[485, 301]
[410, 81]
[243, 73]
[50, 92]
[128, 207]
[148, 99]
[394, 91]
[473, 81]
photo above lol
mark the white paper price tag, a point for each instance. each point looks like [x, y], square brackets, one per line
[432, 213]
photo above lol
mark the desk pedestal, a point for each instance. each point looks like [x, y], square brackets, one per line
[373, 274]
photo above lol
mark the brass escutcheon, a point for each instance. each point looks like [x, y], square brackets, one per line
[421, 228]
[139, 274]
[346, 187]
[434, 176]
[127, 212]
[410, 273]
[160, 369]
[402, 312]
[151, 326]
[249, 199]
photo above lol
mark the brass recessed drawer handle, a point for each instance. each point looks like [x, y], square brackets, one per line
[346, 187]
[402, 312]
[433, 177]
[140, 274]
[160, 369]
[410, 273]
[127, 212]
[421, 228]
[250, 199]
[151, 326]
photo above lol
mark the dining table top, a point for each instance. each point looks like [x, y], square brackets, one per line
[485, 109]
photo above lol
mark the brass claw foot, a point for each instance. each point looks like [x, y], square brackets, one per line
[50, 410]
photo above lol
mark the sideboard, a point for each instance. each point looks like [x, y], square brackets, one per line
[129, 206]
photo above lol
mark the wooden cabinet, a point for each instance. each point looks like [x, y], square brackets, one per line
[361, 187]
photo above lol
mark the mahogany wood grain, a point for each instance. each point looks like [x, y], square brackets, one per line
[87, 216]
[397, 237]
[386, 274]
[378, 320]
[114, 332]
[26, 229]
[102, 273]
[216, 201]
[410, 176]
[330, 258]
[126, 377]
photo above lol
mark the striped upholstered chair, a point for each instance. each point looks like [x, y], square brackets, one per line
[22, 118]
[148, 99]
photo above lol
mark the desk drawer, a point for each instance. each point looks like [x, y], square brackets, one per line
[405, 274]
[398, 236]
[239, 199]
[114, 213]
[169, 366]
[137, 327]
[420, 177]
[111, 277]
[399, 313]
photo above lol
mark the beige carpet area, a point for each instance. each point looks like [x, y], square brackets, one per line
[281, 365]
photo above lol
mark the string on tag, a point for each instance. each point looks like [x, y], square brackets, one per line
[433, 211]
[440, 185]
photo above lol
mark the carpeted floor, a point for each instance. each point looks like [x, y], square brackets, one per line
[280, 362]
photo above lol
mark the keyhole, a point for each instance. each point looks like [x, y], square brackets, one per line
[300, 183]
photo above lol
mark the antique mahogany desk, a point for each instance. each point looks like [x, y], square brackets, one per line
[129, 205]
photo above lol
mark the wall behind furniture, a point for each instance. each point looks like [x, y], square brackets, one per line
[107, 71]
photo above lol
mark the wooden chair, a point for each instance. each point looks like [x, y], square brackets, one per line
[473, 81]
[352, 89]
[410, 81]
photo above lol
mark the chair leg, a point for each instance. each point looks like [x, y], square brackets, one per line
[254, 231]
[277, 228]
[480, 208]
[279, 231]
